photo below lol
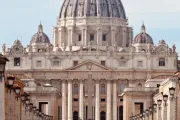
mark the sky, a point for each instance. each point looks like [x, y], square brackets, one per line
[19, 19]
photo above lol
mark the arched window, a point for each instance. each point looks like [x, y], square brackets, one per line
[121, 88]
[75, 88]
[139, 85]
[103, 88]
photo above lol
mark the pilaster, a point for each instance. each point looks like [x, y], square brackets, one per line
[97, 114]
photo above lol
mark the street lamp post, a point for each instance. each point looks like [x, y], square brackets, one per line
[159, 102]
[147, 115]
[10, 83]
[172, 103]
[17, 90]
[154, 111]
[165, 98]
[150, 113]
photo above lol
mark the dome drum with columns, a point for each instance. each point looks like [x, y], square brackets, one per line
[91, 62]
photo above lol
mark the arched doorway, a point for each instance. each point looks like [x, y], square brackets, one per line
[103, 115]
[75, 115]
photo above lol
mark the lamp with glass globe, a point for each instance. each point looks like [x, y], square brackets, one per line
[17, 90]
[10, 82]
[155, 107]
[165, 98]
[172, 92]
[159, 102]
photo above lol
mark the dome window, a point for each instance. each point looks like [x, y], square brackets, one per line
[103, 37]
[76, 89]
[79, 38]
[91, 37]
[162, 62]
[103, 89]
[16, 61]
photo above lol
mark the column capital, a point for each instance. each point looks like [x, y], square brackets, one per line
[99, 27]
[69, 80]
[97, 80]
[81, 80]
[115, 80]
[113, 28]
[61, 29]
[83, 27]
[109, 81]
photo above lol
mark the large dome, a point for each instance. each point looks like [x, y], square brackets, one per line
[103, 8]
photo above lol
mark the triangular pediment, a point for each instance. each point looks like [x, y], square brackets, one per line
[89, 65]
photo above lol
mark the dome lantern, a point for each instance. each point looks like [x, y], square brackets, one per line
[143, 28]
[40, 28]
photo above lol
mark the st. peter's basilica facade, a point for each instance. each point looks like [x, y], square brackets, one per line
[93, 64]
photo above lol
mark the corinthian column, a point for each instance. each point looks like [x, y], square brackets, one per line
[97, 114]
[124, 36]
[61, 36]
[114, 100]
[70, 100]
[81, 100]
[108, 115]
[70, 36]
[99, 36]
[113, 31]
[55, 36]
[64, 100]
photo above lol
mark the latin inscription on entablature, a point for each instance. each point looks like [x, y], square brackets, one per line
[122, 75]
[140, 75]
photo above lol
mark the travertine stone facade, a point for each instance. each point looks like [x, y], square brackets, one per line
[89, 41]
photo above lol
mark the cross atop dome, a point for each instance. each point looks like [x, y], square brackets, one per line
[40, 27]
[143, 28]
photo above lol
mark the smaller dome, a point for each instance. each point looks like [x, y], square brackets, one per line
[162, 42]
[17, 42]
[40, 36]
[143, 37]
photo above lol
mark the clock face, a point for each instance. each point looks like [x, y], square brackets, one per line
[17, 49]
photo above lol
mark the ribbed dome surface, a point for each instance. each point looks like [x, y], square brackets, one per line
[40, 36]
[104, 8]
[143, 37]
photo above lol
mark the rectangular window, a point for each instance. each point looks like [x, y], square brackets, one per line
[138, 108]
[91, 37]
[103, 63]
[43, 106]
[103, 100]
[55, 63]
[139, 63]
[79, 38]
[38, 63]
[75, 99]
[16, 61]
[1, 77]
[122, 63]
[161, 61]
[75, 63]
[103, 37]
